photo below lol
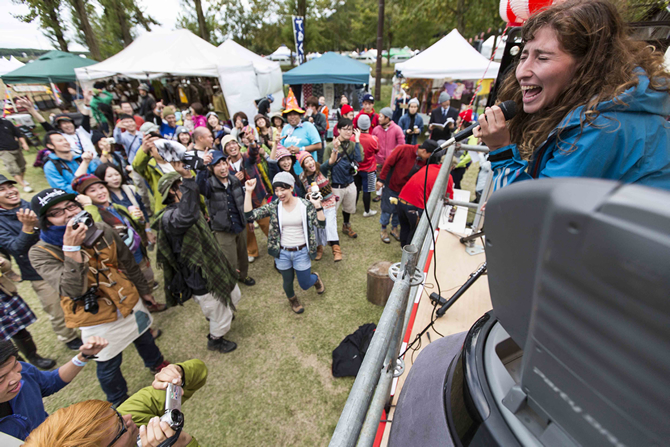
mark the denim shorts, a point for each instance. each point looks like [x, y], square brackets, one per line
[297, 260]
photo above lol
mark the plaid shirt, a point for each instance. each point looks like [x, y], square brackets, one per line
[14, 315]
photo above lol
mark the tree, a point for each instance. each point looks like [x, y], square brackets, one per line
[81, 10]
[202, 23]
[48, 11]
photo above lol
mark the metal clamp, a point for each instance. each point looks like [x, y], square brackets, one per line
[395, 269]
[399, 368]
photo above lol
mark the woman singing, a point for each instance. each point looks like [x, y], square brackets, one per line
[591, 101]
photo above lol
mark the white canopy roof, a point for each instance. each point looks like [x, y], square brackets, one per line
[450, 57]
[181, 53]
[487, 48]
[11, 64]
[283, 50]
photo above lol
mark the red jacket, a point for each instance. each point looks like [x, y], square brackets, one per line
[412, 192]
[401, 160]
[389, 139]
[370, 149]
[374, 119]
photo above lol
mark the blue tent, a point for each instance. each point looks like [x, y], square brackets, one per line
[331, 68]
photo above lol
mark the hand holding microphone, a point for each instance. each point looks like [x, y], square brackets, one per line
[492, 127]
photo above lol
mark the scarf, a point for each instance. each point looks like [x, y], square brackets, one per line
[53, 235]
[199, 250]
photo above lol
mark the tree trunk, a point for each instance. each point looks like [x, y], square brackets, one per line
[91, 41]
[123, 22]
[380, 51]
[460, 16]
[202, 23]
[52, 7]
[390, 44]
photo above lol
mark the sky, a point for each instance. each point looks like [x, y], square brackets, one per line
[16, 34]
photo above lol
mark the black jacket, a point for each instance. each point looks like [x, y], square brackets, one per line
[17, 243]
[216, 198]
[319, 122]
[147, 105]
[437, 117]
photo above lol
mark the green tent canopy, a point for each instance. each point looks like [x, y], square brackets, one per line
[331, 68]
[54, 66]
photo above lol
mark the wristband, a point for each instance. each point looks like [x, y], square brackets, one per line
[319, 209]
[71, 248]
[148, 230]
[78, 362]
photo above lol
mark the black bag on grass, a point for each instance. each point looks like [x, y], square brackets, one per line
[348, 356]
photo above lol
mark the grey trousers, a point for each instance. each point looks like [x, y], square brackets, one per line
[234, 247]
[51, 305]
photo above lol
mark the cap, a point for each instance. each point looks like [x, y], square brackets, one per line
[386, 111]
[206, 116]
[167, 111]
[180, 129]
[283, 177]
[466, 115]
[147, 128]
[274, 115]
[97, 136]
[292, 104]
[368, 97]
[4, 180]
[302, 156]
[444, 96]
[217, 156]
[81, 183]
[43, 200]
[429, 146]
[281, 153]
[413, 101]
[346, 109]
[62, 117]
[166, 182]
[144, 87]
[225, 140]
[363, 122]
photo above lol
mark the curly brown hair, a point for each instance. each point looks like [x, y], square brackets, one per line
[594, 33]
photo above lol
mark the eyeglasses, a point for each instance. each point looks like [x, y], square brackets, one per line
[60, 211]
[121, 432]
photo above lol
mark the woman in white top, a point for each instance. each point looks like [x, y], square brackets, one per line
[291, 236]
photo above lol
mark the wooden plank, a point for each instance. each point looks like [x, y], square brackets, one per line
[454, 267]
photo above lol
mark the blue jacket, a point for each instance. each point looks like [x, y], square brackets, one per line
[404, 123]
[16, 242]
[27, 407]
[340, 171]
[628, 142]
[63, 179]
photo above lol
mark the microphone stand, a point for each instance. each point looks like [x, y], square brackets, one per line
[474, 276]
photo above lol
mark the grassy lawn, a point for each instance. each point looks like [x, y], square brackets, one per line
[277, 387]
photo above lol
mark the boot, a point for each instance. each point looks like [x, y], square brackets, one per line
[24, 341]
[337, 253]
[385, 236]
[319, 252]
[318, 285]
[295, 305]
[220, 344]
[346, 229]
[395, 232]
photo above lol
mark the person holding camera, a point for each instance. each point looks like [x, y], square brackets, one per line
[224, 196]
[292, 239]
[151, 166]
[140, 418]
[192, 261]
[341, 158]
[99, 283]
[22, 386]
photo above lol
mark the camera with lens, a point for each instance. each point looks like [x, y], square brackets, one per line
[93, 234]
[191, 159]
[83, 217]
[172, 415]
[245, 122]
[353, 168]
[90, 299]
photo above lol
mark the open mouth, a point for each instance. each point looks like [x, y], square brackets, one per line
[530, 92]
[16, 388]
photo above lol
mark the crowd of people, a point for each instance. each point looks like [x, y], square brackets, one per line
[195, 189]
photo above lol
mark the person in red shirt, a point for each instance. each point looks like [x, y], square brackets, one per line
[411, 201]
[127, 108]
[367, 169]
[403, 162]
[369, 110]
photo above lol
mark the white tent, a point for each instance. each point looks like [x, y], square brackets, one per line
[450, 57]
[11, 64]
[487, 48]
[268, 73]
[181, 53]
[667, 59]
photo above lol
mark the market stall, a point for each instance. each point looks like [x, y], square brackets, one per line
[331, 75]
[178, 55]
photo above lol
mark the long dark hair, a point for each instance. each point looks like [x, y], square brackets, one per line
[594, 33]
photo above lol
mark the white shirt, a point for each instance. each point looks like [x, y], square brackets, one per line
[292, 234]
[236, 164]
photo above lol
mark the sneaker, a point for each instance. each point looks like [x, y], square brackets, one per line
[318, 285]
[248, 281]
[346, 229]
[377, 199]
[156, 285]
[27, 189]
[369, 213]
[251, 259]
[155, 308]
[156, 333]
[41, 362]
[220, 344]
[296, 306]
[26, 182]
[385, 236]
[75, 344]
[395, 232]
[13, 276]
[157, 369]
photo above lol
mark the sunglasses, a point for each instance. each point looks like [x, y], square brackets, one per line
[123, 430]
[60, 211]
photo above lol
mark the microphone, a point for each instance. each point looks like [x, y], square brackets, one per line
[509, 111]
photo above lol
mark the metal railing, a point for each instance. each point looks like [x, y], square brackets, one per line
[361, 415]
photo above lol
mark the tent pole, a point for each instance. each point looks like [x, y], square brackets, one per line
[380, 50]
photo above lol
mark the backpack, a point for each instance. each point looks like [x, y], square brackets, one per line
[348, 356]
